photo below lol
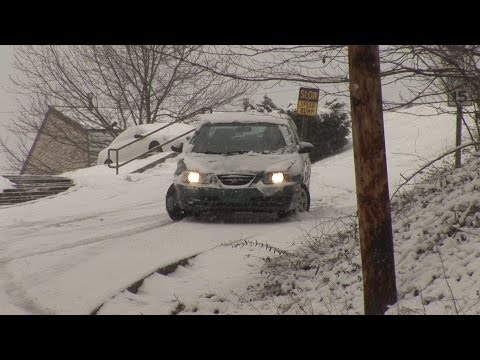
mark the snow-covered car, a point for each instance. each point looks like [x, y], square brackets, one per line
[145, 143]
[241, 162]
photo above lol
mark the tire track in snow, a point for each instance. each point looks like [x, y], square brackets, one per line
[20, 296]
[26, 226]
[134, 286]
[54, 289]
[113, 236]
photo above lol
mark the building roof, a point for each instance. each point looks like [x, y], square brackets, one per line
[58, 114]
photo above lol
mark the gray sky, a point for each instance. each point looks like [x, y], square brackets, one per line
[7, 101]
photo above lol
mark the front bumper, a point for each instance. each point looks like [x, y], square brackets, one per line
[195, 199]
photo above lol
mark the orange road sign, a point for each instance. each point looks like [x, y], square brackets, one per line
[307, 101]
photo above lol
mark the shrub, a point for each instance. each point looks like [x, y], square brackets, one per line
[328, 131]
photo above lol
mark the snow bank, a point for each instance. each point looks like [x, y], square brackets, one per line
[5, 184]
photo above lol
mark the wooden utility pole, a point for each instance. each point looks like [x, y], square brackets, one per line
[373, 201]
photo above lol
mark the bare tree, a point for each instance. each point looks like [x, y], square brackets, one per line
[418, 69]
[413, 74]
[324, 66]
[140, 84]
[106, 86]
[438, 70]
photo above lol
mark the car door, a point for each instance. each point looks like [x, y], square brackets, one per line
[306, 164]
[306, 168]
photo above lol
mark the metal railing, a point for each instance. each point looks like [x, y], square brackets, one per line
[118, 165]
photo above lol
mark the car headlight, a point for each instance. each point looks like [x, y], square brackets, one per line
[276, 178]
[194, 177]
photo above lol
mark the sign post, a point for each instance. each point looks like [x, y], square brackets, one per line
[307, 105]
[459, 97]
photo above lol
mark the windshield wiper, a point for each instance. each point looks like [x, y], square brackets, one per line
[237, 152]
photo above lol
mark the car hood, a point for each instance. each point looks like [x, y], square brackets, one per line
[242, 163]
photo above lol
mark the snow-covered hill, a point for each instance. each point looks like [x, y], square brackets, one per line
[74, 252]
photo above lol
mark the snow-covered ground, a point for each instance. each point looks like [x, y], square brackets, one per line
[74, 252]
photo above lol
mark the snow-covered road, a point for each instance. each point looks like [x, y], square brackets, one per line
[70, 253]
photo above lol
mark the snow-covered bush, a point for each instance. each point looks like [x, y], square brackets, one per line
[436, 228]
[321, 277]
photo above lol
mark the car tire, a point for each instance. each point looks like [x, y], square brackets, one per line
[304, 201]
[154, 144]
[302, 205]
[174, 210]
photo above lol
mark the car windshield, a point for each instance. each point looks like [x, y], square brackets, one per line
[238, 138]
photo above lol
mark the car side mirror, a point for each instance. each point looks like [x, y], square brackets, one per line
[305, 147]
[178, 148]
[138, 136]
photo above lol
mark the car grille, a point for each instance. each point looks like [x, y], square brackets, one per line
[236, 179]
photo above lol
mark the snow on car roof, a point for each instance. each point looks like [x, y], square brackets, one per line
[228, 117]
[147, 128]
